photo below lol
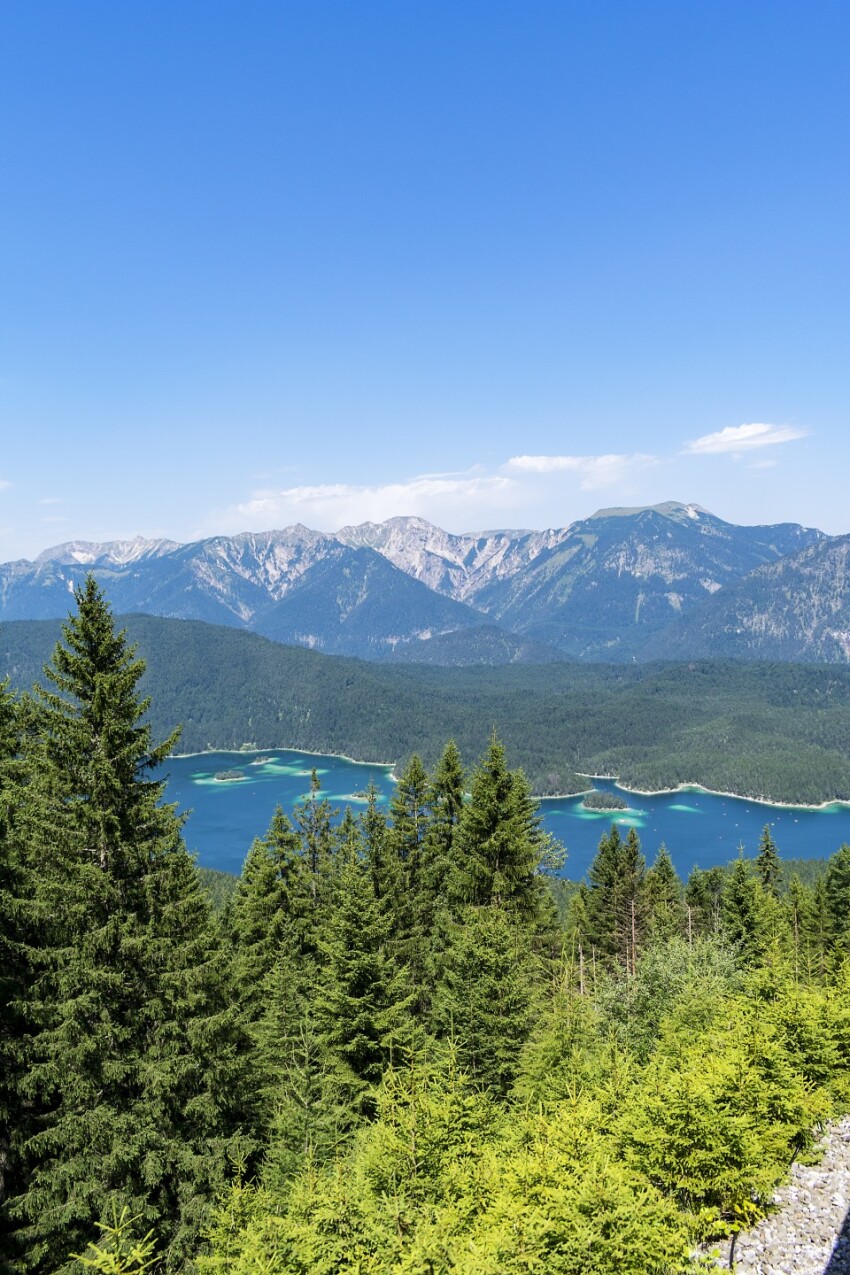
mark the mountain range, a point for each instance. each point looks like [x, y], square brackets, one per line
[669, 581]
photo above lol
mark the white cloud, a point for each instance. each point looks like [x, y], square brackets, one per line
[736, 439]
[594, 471]
[4, 483]
[329, 506]
[50, 500]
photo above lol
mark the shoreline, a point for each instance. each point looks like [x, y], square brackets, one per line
[551, 796]
[717, 792]
[307, 752]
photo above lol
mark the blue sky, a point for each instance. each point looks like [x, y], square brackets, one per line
[492, 263]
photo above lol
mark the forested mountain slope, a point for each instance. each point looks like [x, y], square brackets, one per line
[761, 730]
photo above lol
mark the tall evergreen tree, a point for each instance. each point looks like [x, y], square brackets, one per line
[704, 902]
[484, 1001]
[15, 973]
[837, 899]
[272, 899]
[409, 817]
[363, 1000]
[124, 1113]
[314, 822]
[384, 864]
[768, 864]
[665, 909]
[447, 788]
[616, 902]
[745, 912]
[499, 842]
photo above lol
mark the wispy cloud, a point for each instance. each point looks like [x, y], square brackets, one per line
[594, 472]
[4, 483]
[331, 505]
[50, 500]
[738, 439]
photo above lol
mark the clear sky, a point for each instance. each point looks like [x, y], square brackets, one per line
[494, 262]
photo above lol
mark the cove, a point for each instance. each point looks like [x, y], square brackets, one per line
[700, 829]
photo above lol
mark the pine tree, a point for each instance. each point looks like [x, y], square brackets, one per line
[499, 842]
[15, 973]
[314, 822]
[273, 898]
[665, 910]
[578, 941]
[384, 864]
[837, 892]
[125, 1107]
[485, 997]
[447, 788]
[363, 1001]
[616, 901]
[768, 864]
[704, 902]
[745, 912]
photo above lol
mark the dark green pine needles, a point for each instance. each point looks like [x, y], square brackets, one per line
[133, 1090]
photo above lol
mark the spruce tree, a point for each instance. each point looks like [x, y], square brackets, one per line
[447, 788]
[768, 864]
[126, 1110]
[499, 842]
[383, 862]
[745, 912]
[704, 902]
[665, 910]
[408, 826]
[273, 898]
[485, 997]
[363, 1000]
[313, 820]
[837, 898]
[15, 972]
[616, 902]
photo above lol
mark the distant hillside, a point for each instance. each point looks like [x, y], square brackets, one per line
[607, 587]
[764, 730]
[794, 609]
[484, 644]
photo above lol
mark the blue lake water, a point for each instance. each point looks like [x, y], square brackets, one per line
[699, 828]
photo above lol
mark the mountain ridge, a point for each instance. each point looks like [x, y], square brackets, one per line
[613, 586]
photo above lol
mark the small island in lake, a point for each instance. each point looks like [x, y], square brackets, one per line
[597, 800]
[228, 776]
[259, 761]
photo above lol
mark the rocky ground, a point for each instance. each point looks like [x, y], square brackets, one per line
[808, 1234]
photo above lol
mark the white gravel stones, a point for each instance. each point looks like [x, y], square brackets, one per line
[807, 1234]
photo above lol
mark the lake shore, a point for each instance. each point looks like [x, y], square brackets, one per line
[717, 792]
[549, 796]
[307, 752]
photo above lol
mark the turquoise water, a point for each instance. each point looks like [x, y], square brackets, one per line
[699, 829]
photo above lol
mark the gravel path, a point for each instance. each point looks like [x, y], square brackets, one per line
[810, 1232]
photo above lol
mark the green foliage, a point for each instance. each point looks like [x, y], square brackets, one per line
[120, 1253]
[132, 1087]
[764, 730]
[768, 864]
[425, 1064]
[617, 900]
[484, 1000]
[499, 844]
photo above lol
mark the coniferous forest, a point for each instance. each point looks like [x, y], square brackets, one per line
[400, 1045]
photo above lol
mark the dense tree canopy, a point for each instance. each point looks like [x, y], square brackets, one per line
[383, 1051]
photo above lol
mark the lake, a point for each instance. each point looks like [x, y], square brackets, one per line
[700, 829]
